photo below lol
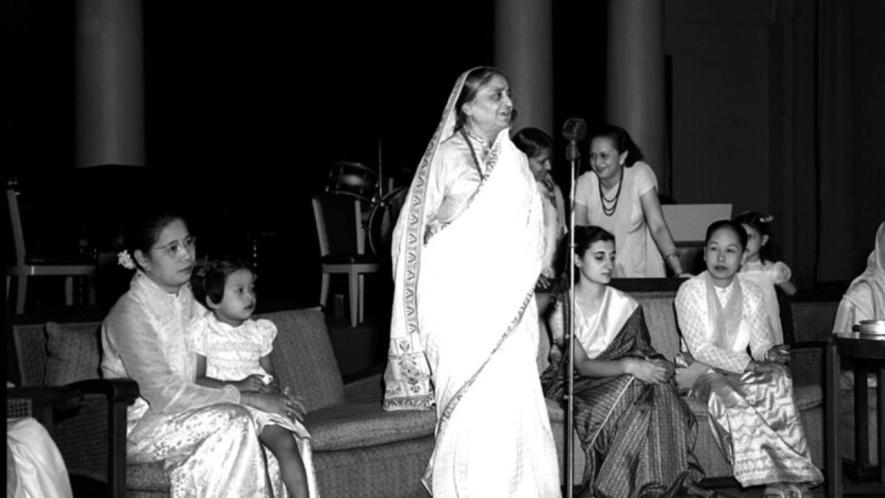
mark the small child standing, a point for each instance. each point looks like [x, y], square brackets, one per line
[761, 267]
[234, 349]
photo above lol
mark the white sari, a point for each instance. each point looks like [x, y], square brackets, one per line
[464, 317]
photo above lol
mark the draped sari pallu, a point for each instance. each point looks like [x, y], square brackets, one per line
[638, 438]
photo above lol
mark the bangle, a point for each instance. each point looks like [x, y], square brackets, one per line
[674, 252]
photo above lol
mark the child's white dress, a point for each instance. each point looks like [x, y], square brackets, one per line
[766, 276]
[233, 353]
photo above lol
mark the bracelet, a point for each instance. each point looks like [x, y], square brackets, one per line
[674, 252]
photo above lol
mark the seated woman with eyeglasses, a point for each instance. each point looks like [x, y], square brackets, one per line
[205, 436]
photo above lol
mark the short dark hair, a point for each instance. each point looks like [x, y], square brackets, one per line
[731, 225]
[209, 278]
[586, 235]
[532, 141]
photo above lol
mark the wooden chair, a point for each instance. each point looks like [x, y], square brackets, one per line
[342, 250]
[27, 266]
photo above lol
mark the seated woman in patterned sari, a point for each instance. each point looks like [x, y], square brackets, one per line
[637, 433]
[750, 399]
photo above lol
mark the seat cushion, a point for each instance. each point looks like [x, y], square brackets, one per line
[72, 352]
[366, 424]
[146, 477]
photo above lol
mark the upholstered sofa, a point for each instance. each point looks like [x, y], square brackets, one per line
[359, 449]
[656, 298]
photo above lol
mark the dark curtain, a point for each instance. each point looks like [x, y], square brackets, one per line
[822, 165]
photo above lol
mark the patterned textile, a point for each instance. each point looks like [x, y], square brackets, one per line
[637, 437]
[766, 276]
[233, 353]
[753, 416]
[467, 252]
[757, 426]
[207, 441]
[698, 325]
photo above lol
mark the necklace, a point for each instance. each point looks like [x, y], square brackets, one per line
[609, 205]
[473, 153]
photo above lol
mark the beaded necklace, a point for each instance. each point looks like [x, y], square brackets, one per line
[610, 205]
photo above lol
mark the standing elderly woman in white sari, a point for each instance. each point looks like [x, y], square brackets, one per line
[467, 251]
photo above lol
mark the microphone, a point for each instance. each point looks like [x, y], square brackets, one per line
[574, 130]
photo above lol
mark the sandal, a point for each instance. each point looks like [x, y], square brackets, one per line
[775, 491]
[798, 491]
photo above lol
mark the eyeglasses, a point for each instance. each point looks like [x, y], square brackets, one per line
[171, 249]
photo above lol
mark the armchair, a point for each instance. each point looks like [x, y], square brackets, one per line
[86, 418]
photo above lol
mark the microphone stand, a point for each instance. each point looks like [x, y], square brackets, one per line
[572, 154]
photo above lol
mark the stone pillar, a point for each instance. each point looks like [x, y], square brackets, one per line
[109, 83]
[524, 51]
[636, 97]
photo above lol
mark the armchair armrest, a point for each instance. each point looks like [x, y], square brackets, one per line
[366, 390]
[87, 421]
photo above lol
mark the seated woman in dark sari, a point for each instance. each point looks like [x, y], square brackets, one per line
[636, 432]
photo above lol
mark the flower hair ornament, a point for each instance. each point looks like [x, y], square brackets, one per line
[766, 219]
[125, 260]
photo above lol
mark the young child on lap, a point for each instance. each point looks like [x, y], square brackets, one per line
[232, 348]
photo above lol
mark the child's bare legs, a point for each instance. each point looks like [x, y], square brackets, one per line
[283, 446]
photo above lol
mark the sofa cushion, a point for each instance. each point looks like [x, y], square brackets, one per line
[366, 424]
[146, 477]
[303, 359]
[72, 352]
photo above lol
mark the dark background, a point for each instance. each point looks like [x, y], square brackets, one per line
[248, 105]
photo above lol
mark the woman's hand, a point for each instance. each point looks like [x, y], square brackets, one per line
[543, 283]
[779, 353]
[768, 366]
[253, 382]
[651, 371]
[555, 355]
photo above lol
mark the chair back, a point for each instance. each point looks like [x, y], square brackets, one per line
[15, 221]
[339, 224]
[303, 358]
[809, 320]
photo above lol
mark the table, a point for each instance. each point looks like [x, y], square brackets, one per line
[866, 355]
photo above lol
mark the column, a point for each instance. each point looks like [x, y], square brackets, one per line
[109, 83]
[636, 97]
[524, 51]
